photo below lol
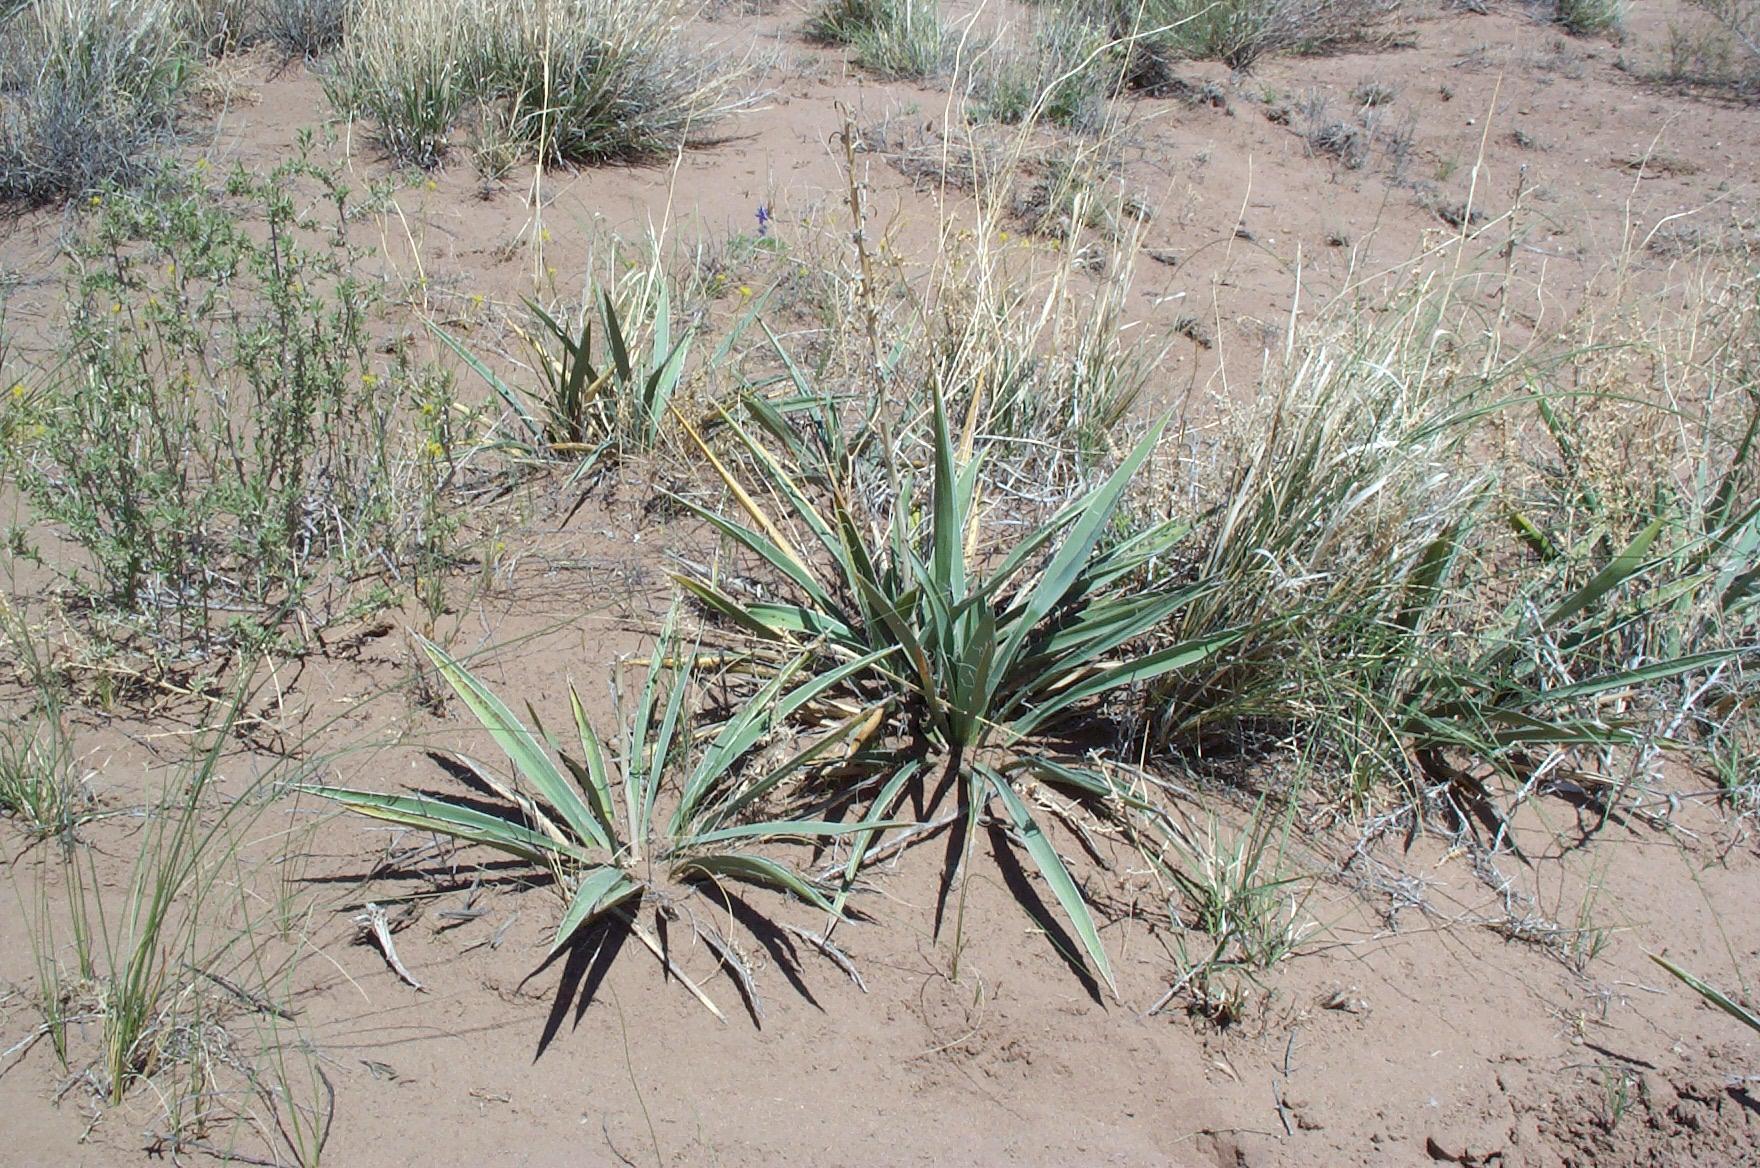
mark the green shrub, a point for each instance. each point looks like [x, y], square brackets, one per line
[1591, 17]
[217, 430]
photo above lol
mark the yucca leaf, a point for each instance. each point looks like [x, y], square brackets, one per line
[798, 829]
[750, 869]
[598, 779]
[1631, 678]
[1174, 657]
[872, 826]
[1057, 877]
[506, 392]
[512, 736]
[1066, 564]
[449, 819]
[599, 891]
[719, 602]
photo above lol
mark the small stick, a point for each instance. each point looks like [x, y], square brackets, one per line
[836, 956]
[372, 919]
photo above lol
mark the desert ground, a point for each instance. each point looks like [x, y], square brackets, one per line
[1363, 399]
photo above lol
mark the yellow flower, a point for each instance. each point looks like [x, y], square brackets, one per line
[18, 391]
[369, 379]
[97, 200]
[1002, 236]
[432, 185]
[745, 291]
[435, 450]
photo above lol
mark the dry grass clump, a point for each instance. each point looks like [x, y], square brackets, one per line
[88, 90]
[565, 83]
[1413, 605]
[1060, 73]
[894, 38]
[1235, 32]
[306, 28]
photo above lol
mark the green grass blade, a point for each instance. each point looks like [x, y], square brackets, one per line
[1716, 997]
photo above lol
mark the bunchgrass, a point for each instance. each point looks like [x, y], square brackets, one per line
[306, 28]
[1591, 17]
[89, 90]
[893, 38]
[577, 82]
[1160, 33]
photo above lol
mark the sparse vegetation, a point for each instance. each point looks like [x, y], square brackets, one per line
[222, 435]
[894, 38]
[1040, 558]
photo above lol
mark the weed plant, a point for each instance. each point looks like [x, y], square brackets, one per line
[219, 438]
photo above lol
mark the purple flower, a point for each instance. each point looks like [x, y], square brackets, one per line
[763, 220]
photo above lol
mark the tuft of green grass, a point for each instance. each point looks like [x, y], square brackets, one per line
[1591, 17]
[306, 28]
[1061, 75]
[1160, 33]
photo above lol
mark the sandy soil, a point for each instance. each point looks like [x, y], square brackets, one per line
[1437, 1010]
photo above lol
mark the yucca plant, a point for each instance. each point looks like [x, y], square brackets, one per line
[976, 656]
[637, 830]
[586, 410]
